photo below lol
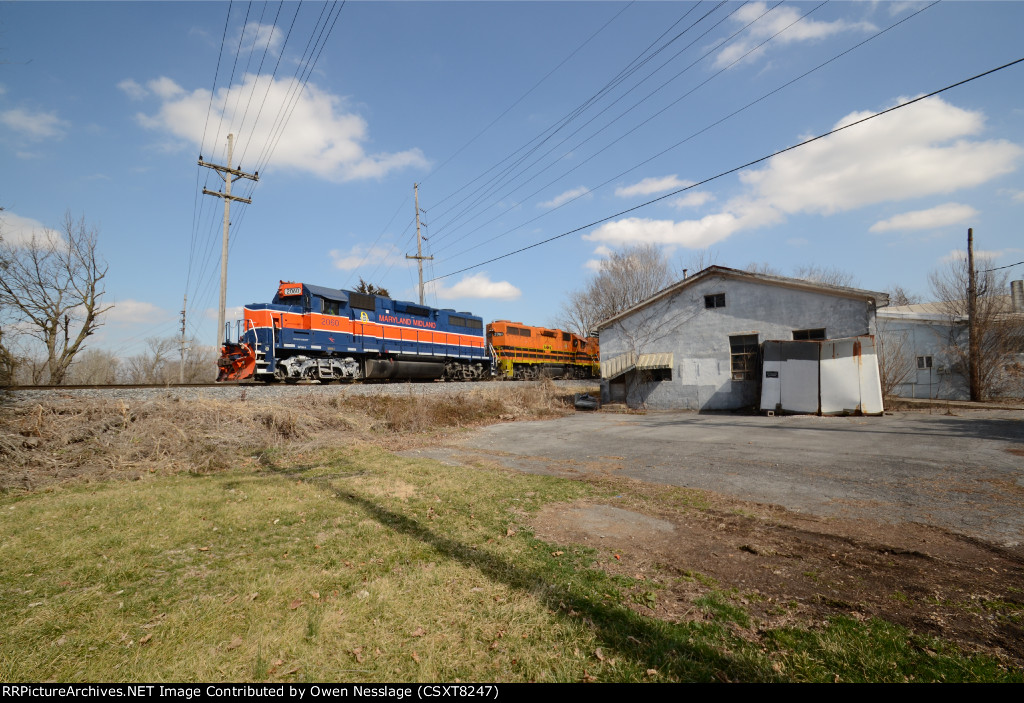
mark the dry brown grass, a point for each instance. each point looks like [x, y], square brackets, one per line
[68, 440]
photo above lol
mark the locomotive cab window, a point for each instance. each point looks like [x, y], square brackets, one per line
[331, 307]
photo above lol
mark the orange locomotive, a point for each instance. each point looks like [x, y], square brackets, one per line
[525, 352]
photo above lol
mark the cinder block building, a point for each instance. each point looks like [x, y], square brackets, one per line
[695, 344]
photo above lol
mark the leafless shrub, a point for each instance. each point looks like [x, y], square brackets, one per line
[895, 358]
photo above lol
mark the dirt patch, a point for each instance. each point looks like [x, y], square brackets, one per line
[785, 569]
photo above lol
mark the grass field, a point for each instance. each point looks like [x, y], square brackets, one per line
[298, 561]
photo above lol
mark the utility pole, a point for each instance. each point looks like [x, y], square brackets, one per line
[181, 369]
[973, 343]
[419, 240]
[230, 175]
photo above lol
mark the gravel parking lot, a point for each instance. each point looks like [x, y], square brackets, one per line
[963, 472]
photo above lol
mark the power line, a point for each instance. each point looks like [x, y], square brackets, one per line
[997, 268]
[489, 189]
[682, 141]
[737, 168]
[630, 131]
[552, 130]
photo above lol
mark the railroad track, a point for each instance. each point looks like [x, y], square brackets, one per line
[261, 392]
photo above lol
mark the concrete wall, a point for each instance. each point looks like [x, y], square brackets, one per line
[699, 338]
[903, 340]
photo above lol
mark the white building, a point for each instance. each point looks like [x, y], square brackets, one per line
[695, 345]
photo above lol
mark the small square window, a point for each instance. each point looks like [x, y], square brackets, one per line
[803, 335]
[924, 362]
[714, 301]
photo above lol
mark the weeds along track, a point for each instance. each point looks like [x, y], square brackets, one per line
[60, 436]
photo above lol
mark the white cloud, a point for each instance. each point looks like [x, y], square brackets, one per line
[230, 314]
[650, 186]
[361, 255]
[134, 312]
[922, 150]
[1016, 196]
[781, 19]
[694, 199]
[692, 234]
[565, 197]
[320, 138]
[17, 230]
[132, 89]
[165, 88]
[34, 125]
[257, 37]
[939, 216]
[478, 286]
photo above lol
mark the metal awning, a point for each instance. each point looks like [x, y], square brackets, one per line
[616, 366]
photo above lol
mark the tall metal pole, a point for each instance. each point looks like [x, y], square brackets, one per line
[229, 174]
[419, 240]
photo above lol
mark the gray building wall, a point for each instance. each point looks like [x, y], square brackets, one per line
[698, 338]
[908, 339]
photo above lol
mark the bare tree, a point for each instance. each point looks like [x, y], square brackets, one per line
[999, 330]
[200, 362]
[762, 267]
[51, 288]
[161, 361]
[625, 278]
[94, 367]
[898, 295]
[154, 364]
[895, 355]
[8, 363]
[829, 275]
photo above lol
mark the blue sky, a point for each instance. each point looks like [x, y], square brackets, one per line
[105, 108]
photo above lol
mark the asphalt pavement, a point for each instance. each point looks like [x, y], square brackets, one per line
[962, 471]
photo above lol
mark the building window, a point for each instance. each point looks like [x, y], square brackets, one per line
[802, 335]
[714, 301]
[924, 362]
[657, 374]
[743, 353]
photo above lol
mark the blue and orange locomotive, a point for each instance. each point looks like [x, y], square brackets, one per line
[325, 334]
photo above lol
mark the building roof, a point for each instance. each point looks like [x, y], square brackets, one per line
[1002, 305]
[879, 299]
